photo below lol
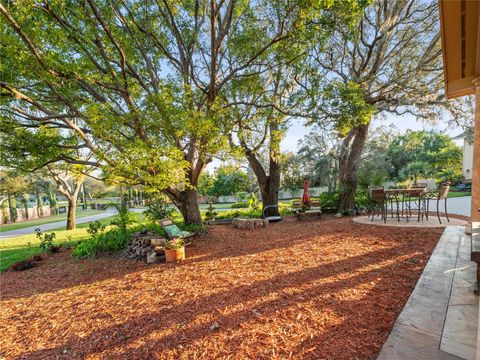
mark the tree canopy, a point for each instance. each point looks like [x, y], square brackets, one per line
[143, 85]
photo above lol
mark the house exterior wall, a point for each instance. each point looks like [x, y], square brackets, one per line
[467, 164]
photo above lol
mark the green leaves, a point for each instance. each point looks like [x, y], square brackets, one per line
[345, 104]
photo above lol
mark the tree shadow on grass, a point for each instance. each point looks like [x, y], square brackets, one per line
[389, 280]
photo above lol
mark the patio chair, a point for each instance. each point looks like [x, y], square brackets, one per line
[270, 218]
[379, 202]
[173, 231]
[441, 195]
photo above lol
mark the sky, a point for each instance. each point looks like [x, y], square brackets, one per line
[297, 131]
[403, 123]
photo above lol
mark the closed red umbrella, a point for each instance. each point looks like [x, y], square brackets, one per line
[305, 198]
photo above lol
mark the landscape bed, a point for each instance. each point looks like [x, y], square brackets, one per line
[327, 289]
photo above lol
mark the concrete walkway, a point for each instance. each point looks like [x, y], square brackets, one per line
[439, 320]
[59, 224]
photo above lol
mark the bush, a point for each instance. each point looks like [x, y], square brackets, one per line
[158, 209]
[239, 205]
[95, 228]
[124, 217]
[46, 240]
[329, 200]
[111, 241]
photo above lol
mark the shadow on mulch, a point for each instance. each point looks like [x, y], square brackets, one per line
[61, 271]
[338, 299]
[182, 314]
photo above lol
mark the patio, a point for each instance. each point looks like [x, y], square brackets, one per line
[432, 221]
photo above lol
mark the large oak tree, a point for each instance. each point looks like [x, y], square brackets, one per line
[390, 63]
[141, 83]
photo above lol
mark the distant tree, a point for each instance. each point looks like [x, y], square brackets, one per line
[69, 179]
[376, 166]
[228, 181]
[205, 184]
[292, 173]
[437, 150]
[415, 170]
[12, 185]
[24, 200]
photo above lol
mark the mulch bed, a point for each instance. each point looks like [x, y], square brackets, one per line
[327, 289]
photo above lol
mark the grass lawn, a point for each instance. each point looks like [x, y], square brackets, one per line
[23, 247]
[454, 194]
[17, 248]
[24, 224]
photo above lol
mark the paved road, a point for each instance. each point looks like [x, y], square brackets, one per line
[59, 224]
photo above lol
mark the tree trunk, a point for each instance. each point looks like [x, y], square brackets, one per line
[186, 201]
[269, 185]
[72, 205]
[269, 194]
[349, 161]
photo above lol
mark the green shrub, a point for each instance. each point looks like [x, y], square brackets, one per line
[210, 213]
[329, 200]
[194, 228]
[124, 217]
[112, 241]
[158, 208]
[95, 228]
[239, 205]
[46, 240]
[362, 200]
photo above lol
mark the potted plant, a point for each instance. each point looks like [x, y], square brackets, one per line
[174, 250]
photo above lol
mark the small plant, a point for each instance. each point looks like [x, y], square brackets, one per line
[95, 228]
[210, 213]
[158, 209]
[174, 244]
[124, 217]
[46, 241]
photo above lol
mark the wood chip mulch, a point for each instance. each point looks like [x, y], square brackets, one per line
[327, 289]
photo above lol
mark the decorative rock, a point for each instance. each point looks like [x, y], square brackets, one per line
[154, 258]
[157, 242]
[249, 223]
[214, 326]
[141, 247]
[159, 250]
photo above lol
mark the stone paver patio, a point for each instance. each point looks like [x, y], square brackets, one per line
[440, 318]
[412, 222]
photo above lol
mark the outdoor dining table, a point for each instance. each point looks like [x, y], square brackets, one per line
[404, 197]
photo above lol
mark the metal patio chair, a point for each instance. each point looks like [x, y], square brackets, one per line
[442, 194]
[379, 202]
